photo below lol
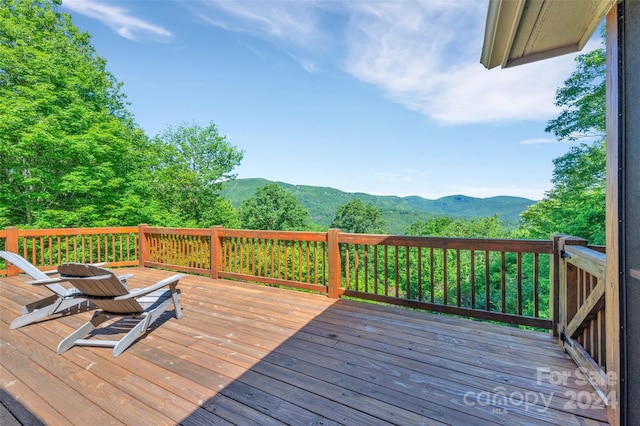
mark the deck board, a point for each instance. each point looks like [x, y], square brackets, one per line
[248, 354]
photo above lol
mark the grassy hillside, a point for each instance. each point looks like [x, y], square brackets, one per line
[398, 212]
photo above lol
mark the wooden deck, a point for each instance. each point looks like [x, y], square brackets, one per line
[246, 354]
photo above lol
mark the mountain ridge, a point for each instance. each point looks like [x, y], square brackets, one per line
[398, 212]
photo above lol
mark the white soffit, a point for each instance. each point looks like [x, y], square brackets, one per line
[522, 31]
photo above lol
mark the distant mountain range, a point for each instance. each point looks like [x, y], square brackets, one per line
[398, 212]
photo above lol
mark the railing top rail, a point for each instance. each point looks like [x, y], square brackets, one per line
[178, 231]
[76, 231]
[275, 235]
[589, 260]
[481, 244]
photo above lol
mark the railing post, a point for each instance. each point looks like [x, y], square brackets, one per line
[554, 285]
[568, 283]
[11, 244]
[333, 254]
[215, 248]
[143, 254]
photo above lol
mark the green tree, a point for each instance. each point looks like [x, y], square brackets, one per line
[489, 227]
[356, 217]
[195, 162]
[273, 208]
[224, 214]
[583, 99]
[69, 148]
[576, 203]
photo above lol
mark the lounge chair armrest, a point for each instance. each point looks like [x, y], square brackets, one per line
[52, 272]
[124, 276]
[157, 286]
[45, 282]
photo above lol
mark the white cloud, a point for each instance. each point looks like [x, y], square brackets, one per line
[117, 18]
[309, 65]
[424, 55]
[293, 22]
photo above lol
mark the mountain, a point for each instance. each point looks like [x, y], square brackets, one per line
[398, 212]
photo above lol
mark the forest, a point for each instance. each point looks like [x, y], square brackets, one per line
[72, 154]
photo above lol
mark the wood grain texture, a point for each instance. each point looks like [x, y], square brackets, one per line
[249, 354]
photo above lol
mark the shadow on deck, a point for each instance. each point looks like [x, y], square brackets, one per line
[247, 354]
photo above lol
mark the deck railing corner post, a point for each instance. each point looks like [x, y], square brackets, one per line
[554, 285]
[11, 244]
[143, 245]
[568, 291]
[215, 252]
[333, 250]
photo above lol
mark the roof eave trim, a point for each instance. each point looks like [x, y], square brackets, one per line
[503, 18]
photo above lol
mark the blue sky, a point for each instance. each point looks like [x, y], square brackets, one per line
[387, 98]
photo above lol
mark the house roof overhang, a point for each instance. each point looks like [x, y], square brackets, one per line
[522, 31]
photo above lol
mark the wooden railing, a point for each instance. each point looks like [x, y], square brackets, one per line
[491, 279]
[581, 309]
[47, 248]
[291, 259]
[179, 249]
[500, 280]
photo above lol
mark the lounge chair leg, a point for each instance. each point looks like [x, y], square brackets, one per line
[131, 336]
[69, 341]
[175, 296]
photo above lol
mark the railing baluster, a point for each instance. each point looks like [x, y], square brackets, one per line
[386, 270]
[366, 268]
[458, 284]
[503, 282]
[519, 261]
[299, 260]
[432, 274]
[445, 278]
[487, 282]
[356, 265]
[536, 279]
[420, 274]
[472, 278]
[315, 262]
[397, 271]
[279, 260]
[375, 269]
[347, 264]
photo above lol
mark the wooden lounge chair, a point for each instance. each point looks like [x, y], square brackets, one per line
[102, 287]
[61, 301]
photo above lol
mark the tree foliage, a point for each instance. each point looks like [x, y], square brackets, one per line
[273, 208]
[71, 154]
[356, 217]
[68, 145]
[583, 99]
[194, 164]
[489, 227]
[576, 203]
